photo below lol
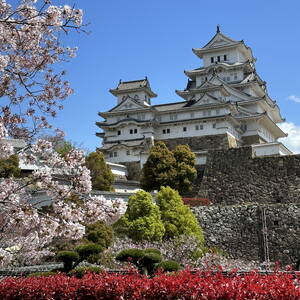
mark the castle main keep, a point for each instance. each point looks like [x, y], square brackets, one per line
[225, 105]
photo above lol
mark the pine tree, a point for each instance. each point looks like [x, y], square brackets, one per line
[159, 169]
[9, 167]
[177, 218]
[101, 174]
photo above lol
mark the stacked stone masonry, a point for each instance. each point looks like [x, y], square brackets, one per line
[237, 230]
[233, 176]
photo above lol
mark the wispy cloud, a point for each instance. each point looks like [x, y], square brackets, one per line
[292, 141]
[294, 98]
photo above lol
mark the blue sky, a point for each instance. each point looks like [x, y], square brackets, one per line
[133, 39]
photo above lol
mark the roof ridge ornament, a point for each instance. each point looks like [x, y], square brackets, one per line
[218, 28]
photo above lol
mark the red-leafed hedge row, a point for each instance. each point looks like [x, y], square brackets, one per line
[183, 285]
[196, 201]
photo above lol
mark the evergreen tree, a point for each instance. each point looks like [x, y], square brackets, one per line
[9, 167]
[142, 219]
[186, 172]
[101, 174]
[159, 169]
[177, 218]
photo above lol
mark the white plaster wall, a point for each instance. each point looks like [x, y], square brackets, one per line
[231, 56]
[140, 94]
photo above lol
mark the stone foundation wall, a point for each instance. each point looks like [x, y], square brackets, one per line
[237, 230]
[221, 141]
[233, 177]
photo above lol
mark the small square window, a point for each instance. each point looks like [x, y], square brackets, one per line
[197, 127]
[135, 130]
[201, 127]
[184, 128]
[168, 130]
[119, 132]
[115, 154]
[214, 125]
[131, 131]
[164, 131]
[225, 57]
[111, 154]
[219, 58]
[211, 59]
[128, 152]
[192, 115]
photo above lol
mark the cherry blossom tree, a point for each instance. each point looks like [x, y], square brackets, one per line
[30, 91]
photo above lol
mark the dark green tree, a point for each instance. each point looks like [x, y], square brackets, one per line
[10, 167]
[159, 169]
[186, 172]
[142, 219]
[177, 217]
[102, 176]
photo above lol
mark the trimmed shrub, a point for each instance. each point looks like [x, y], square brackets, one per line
[168, 266]
[68, 258]
[87, 250]
[145, 260]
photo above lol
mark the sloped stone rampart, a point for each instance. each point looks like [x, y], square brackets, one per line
[233, 176]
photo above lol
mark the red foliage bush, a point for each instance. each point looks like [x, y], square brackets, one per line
[196, 201]
[182, 285]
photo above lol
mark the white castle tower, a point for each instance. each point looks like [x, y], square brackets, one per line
[225, 105]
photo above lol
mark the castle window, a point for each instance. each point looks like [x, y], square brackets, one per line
[214, 125]
[135, 130]
[131, 131]
[192, 115]
[173, 117]
[219, 58]
[143, 117]
[127, 152]
[211, 59]
[217, 111]
[225, 57]
[228, 78]
[184, 128]
[168, 130]
[119, 132]
[164, 131]
[115, 154]
[201, 127]
[197, 127]
[235, 76]
[111, 154]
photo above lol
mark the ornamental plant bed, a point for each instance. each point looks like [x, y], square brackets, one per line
[196, 201]
[181, 285]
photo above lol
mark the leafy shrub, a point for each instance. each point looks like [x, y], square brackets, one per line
[168, 266]
[99, 233]
[181, 285]
[196, 201]
[132, 255]
[79, 272]
[142, 219]
[177, 218]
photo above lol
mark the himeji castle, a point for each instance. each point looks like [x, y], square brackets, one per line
[225, 105]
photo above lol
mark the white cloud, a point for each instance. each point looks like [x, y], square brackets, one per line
[292, 141]
[294, 98]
